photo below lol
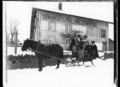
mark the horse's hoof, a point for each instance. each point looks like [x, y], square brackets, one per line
[56, 67]
[94, 65]
[40, 70]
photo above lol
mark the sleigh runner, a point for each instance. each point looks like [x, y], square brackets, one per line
[82, 57]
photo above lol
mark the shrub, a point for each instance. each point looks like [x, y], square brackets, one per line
[108, 55]
[27, 61]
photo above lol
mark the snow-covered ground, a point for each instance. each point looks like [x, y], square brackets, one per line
[99, 75]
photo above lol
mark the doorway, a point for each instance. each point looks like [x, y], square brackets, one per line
[104, 46]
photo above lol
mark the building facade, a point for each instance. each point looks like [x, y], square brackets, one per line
[111, 45]
[48, 26]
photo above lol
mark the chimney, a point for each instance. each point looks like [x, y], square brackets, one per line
[60, 6]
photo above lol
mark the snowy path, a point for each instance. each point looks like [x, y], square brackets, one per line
[100, 75]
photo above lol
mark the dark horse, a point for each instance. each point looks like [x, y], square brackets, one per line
[53, 50]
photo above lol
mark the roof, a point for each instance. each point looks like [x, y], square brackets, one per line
[60, 12]
[111, 40]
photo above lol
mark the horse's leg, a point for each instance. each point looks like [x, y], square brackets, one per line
[78, 63]
[66, 63]
[91, 62]
[83, 62]
[73, 62]
[40, 64]
[58, 64]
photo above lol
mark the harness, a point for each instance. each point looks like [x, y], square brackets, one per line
[50, 56]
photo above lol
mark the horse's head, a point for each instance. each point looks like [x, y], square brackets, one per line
[29, 44]
[26, 45]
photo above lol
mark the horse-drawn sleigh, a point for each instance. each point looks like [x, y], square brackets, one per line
[54, 51]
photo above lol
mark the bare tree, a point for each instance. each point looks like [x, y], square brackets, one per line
[13, 28]
[14, 33]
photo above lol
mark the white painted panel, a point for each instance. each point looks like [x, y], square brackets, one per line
[44, 25]
[60, 27]
[92, 38]
[79, 28]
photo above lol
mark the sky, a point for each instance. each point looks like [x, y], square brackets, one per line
[21, 11]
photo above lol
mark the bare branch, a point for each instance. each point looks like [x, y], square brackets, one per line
[70, 34]
[13, 27]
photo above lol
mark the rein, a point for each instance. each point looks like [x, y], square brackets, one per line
[50, 56]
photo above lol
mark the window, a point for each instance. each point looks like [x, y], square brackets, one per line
[52, 26]
[91, 31]
[103, 33]
[104, 46]
[88, 30]
[68, 28]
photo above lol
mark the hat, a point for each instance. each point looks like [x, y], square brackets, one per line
[85, 36]
[93, 42]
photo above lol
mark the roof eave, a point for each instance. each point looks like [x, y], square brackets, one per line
[72, 15]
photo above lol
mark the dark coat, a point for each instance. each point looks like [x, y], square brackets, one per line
[95, 50]
[73, 41]
[79, 44]
[75, 51]
[88, 50]
[84, 44]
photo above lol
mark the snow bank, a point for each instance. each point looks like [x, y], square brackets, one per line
[11, 51]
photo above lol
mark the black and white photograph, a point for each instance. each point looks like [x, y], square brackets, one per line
[58, 44]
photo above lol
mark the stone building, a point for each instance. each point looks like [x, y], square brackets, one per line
[48, 26]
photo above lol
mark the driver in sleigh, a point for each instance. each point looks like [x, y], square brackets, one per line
[75, 47]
